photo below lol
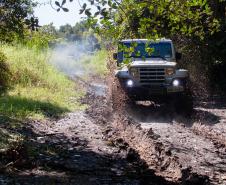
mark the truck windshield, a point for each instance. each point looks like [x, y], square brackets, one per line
[153, 50]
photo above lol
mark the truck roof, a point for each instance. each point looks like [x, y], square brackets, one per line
[145, 40]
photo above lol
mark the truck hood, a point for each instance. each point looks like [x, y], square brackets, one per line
[152, 62]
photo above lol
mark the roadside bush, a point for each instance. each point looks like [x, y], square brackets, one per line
[206, 63]
[5, 74]
[193, 61]
[38, 40]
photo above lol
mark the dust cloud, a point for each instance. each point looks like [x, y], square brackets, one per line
[70, 57]
[67, 58]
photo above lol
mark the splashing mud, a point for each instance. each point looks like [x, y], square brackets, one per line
[176, 148]
[124, 142]
[169, 143]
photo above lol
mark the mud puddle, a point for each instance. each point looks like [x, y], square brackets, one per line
[174, 147]
[157, 157]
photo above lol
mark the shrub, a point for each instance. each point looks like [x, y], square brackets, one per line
[5, 74]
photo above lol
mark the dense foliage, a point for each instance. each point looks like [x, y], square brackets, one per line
[15, 16]
[74, 33]
[38, 90]
[197, 27]
[5, 74]
[81, 34]
[151, 19]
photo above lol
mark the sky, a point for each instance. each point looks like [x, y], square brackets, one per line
[47, 14]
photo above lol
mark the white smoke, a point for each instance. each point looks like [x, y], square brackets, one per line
[68, 57]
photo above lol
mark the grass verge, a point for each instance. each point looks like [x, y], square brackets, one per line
[38, 91]
[96, 63]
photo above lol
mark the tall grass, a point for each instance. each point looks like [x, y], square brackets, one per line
[96, 64]
[39, 90]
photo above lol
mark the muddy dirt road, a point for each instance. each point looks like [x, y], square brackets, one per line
[197, 143]
[76, 150]
[187, 151]
[181, 150]
[135, 144]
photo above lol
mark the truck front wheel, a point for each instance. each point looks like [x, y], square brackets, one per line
[183, 104]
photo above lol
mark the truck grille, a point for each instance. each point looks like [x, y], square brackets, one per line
[152, 76]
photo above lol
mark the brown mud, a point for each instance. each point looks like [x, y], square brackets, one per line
[116, 141]
[181, 150]
[76, 149]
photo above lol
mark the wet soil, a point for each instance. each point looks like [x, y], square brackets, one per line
[198, 143]
[76, 149]
[180, 149]
[116, 141]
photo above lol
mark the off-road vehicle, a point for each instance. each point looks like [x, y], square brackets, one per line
[153, 75]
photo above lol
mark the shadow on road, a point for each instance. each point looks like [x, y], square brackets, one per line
[58, 159]
[148, 112]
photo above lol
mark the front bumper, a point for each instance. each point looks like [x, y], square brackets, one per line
[153, 89]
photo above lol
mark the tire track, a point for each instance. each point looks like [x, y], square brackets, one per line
[195, 147]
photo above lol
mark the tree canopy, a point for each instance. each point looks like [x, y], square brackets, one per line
[15, 15]
[153, 18]
[198, 27]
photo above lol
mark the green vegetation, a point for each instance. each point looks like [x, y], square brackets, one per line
[16, 17]
[151, 19]
[40, 91]
[38, 40]
[30, 87]
[5, 74]
[96, 64]
[197, 28]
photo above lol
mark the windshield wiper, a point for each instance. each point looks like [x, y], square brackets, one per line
[155, 56]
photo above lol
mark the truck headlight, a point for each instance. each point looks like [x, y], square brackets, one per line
[176, 82]
[169, 71]
[129, 83]
[134, 72]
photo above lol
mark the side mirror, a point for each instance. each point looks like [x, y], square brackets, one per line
[178, 56]
[115, 56]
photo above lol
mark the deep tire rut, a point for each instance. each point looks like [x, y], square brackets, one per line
[192, 150]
